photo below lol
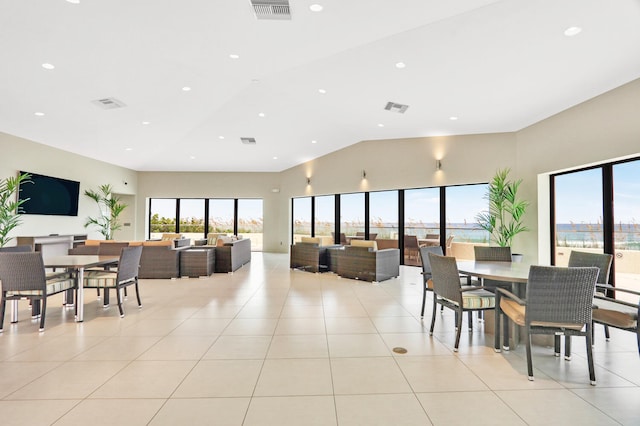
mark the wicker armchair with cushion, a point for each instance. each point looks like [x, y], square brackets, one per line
[427, 282]
[448, 292]
[558, 302]
[361, 260]
[126, 275]
[310, 254]
[23, 277]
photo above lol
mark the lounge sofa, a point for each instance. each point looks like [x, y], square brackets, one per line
[362, 260]
[310, 254]
[231, 255]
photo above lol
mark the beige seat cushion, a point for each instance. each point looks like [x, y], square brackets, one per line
[54, 285]
[311, 240]
[100, 279]
[430, 284]
[513, 310]
[615, 314]
[365, 243]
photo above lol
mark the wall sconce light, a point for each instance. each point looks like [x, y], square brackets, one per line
[438, 164]
[364, 174]
[308, 181]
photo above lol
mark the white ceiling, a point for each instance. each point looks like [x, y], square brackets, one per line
[498, 66]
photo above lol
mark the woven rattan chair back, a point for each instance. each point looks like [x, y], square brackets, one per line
[600, 260]
[492, 254]
[16, 249]
[445, 276]
[129, 264]
[22, 271]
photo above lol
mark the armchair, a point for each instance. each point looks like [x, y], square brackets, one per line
[364, 263]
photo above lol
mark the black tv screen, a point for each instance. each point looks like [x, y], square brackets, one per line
[49, 195]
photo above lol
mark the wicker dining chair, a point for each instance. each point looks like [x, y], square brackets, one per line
[603, 262]
[23, 277]
[427, 282]
[126, 275]
[558, 302]
[449, 292]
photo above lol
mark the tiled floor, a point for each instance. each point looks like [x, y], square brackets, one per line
[271, 346]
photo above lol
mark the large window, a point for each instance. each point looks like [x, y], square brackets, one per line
[199, 216]
[578, 213]
[250, 221]
[383, 215]
[162, 217]
[192, 218]
[301, 218]
[325, 215]
[596, 210]
[463, 203]
[351, 215]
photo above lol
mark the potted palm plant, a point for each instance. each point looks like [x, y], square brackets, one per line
[110, 209]
[10, 205]
[504, 218]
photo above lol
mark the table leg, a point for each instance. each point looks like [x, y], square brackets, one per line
[14, 311]
[80, 303]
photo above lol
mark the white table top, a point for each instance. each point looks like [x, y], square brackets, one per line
[500, 271]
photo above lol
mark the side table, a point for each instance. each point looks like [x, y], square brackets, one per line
[197, 262]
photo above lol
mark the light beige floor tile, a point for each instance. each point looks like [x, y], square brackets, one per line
[202, 412]
[251, 327]
[176, 348]
[14, 375]
[399, 325]
[73, 380]
[291, 411]
[99, 412]
[439, 374]
[201, 327]
[416, 344]
[620, 404]
[145, 379]
[357, 345]
[382, 410]
[367, 376]
[61, 348]
[15, 413]
[239, 347]
[289, 377]
[218, 311]
[151, 327]
[464, 408]
[301, 326]
[553, 407]
[220, 378]
[293, 346]
[393, 309]
[302, 311]
[350, 326]
[344, 311]
[118, 348]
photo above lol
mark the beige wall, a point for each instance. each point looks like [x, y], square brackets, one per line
[599, 130]
[21, 154]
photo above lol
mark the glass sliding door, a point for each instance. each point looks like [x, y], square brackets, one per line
[578, 213]
[463, 203]
[250, 223]
[422, 216]
[626, 229]
[221, 216]
[325, 215]
[351, 216]
[301, 218]
[162, 217]
[192, 218]
[383, 215]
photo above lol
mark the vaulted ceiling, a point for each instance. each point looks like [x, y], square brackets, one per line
[302, 87]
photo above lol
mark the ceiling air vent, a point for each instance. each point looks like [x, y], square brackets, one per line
[248, 141]
[109, 103]
[271, 9]
[392, 106]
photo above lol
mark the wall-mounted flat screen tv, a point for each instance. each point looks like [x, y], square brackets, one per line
[49, 195]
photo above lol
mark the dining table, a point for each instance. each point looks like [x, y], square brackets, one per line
[79, 263]
[428, 242]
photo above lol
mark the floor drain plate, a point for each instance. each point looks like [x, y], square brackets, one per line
[400, 350]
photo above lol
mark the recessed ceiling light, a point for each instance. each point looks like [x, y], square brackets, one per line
[572, 31]
[145, 123]
[400, 65]
[192, 157]
[234, 56]
[186, 89]
[128, 149]
[453, 118]
[380, 125]
[220, 137]
[261, 114]
[316, 7]
[255, 80]
[73, 1]
[38, 113]
[322, 91]
[48, 66]
[314, 141]
[275, 158]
